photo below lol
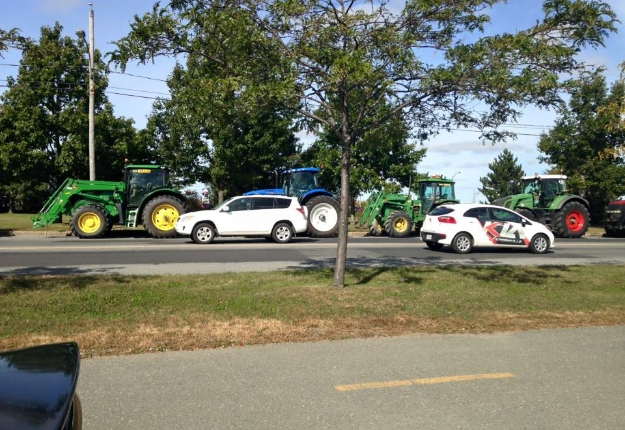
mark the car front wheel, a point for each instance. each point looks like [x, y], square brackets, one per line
[203, 233]
[539, 244]
[462, 243]
[282, 233]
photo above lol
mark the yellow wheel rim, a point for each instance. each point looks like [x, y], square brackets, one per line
[164, 217]
[89, 222]
[400, 225]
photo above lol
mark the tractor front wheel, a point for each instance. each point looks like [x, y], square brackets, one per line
[572, 220]
[89, 222]
[376, 229]
[398, 224]
[160, 216]
[527, 214]
[323, 216]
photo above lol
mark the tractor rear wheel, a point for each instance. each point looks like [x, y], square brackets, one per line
[323, 216]
[572, 220]
[88, 222]
[398, 224]
[160, 215]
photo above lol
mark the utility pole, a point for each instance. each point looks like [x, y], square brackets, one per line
[91, 97]
[90, 46]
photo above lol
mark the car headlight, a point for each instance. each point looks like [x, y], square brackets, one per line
[187, 217]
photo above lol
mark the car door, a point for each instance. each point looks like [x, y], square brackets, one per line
[238, 219]
[505, 228]
[265, 214]
[475, 220]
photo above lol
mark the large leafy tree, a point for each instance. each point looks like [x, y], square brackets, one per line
[44, 121]
[334, 62]
[583, 134]
[219, 140]
[504, 172]
[383, 154]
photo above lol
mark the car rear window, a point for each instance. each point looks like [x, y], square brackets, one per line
[283, 203]
[441, 210]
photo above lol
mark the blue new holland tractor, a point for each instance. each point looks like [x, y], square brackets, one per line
[323, 207]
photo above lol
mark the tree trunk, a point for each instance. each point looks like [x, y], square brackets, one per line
[341, 250]
[220, 196]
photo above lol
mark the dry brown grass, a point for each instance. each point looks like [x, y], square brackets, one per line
[205, 332]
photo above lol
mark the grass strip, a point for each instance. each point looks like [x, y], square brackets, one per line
[130, 314]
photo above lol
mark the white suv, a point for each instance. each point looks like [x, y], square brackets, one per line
[275, 217]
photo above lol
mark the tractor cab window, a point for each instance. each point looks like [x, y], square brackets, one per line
[298, 183]
[427, 192]
[446, 191]
[531, 186]
[141, 182]
[552, 187]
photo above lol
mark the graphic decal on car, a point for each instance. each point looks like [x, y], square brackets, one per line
[505, 234]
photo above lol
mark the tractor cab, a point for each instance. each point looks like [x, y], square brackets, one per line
[297, 182]
[545, 188]
[141, 180]
[435, 190]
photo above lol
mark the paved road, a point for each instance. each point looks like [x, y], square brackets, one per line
[140, 255]
[552, 379]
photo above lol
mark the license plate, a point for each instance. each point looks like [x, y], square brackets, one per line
[428, 237]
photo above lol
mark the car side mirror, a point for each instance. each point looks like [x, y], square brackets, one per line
[225, 209]
[524, 222]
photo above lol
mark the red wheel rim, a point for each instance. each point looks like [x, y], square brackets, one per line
[575, 220]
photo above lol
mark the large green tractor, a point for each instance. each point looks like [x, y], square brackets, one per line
[544, 198]
[399, 214]
[144, 197]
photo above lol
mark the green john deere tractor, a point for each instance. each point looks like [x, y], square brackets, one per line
[544, 198]
[398, 214]
[144, 197]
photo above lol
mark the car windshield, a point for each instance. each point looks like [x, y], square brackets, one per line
[441, 210]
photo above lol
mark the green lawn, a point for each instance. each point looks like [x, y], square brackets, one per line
[125, 314]
[23, 222]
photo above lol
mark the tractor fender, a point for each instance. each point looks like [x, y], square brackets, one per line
[161, 192]
[565, 200]
[313, 193]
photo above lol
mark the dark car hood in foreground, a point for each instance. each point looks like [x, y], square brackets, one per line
[37, 386]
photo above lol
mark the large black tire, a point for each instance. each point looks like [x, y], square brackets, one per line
[527, 214]
[160, 215]
[462, 243]
[323, 216]
[398, 224]
[572, 220]
[89, 222]
[282, 233]
[539, 244]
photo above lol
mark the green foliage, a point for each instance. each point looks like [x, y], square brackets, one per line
[504, 171]
[11, 39]
[334, 64]
[580, 138]
[44, 121]
[217, 138]
[381, 155]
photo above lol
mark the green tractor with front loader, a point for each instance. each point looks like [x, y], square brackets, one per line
[545, 198]
[144, 197]
[399, 214]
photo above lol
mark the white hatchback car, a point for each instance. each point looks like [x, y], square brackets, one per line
[275, 217]
[463, 226]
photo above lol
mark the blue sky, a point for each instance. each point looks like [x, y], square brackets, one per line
[457, 153]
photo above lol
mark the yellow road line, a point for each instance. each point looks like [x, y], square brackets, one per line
[426, 381]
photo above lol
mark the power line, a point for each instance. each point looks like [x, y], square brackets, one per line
[140, 91]
[135, 95]
[138, 76]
